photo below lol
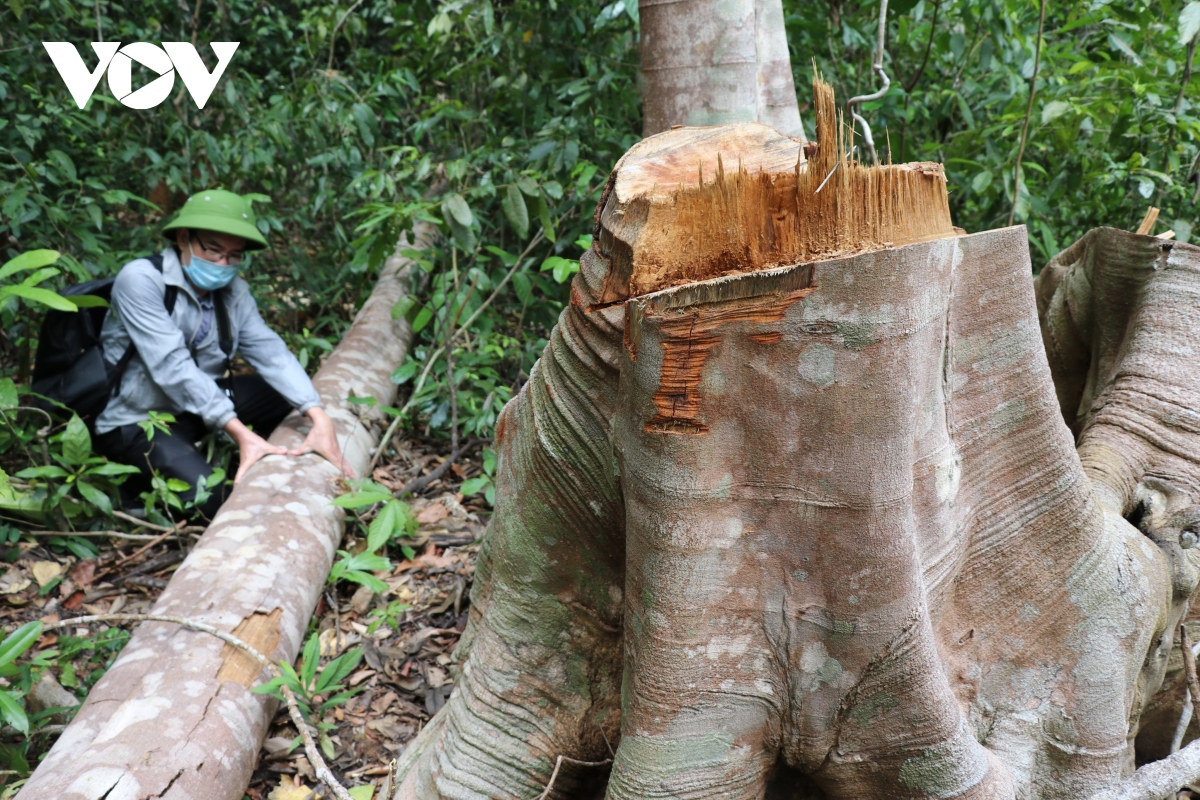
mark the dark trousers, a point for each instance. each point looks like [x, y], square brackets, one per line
[174, 454]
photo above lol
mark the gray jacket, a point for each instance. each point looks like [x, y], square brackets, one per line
[172, 373]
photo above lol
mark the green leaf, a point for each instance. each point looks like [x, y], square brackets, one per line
[43, 296]
[31, 259]
[96, 497]
[269, 687]
[111, 470]
[339, 669]
[19, 641]
[372, 494]
[981, 181]
[547, 225]
[475, 485]
[365, 792]
[1054, 109]
[455, 205]
[50, 471]
[527, 184]
[312, 657]
[8, 394]
[513, 204]
[89, 301]
[366, 579]
[1189, 22]
[464, 236]
[76, 441]
[12, 711]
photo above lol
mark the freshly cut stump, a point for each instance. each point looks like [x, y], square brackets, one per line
[788, 506]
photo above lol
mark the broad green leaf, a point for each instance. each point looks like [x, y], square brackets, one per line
[464, 236]
[513, 204]
[1189, 22]
[111, 470]
[547, 225]
[312, 658]
[38, 295]
[367, 791]
[455, 205]
[8, 394]
[1122, 45]
[366, 497]
[49, 471]
[981, 181]
[32, 259]
[339, 669]
[366, 579]
[89, 301]
[19, 641]
[76, 441]
[12, 711]
[94, 496]
[527, 184]
[475, 485]
[1054, 109]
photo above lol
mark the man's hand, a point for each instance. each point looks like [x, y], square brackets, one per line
[251, 446]
[322, 440]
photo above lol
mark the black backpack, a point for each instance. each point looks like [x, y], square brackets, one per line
[70, 367]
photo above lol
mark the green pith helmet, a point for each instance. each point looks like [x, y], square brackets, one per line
[220, 211]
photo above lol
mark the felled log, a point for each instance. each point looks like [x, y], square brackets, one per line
[788, 507]
[173, 718]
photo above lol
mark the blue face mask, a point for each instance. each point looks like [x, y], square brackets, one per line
[209, 276]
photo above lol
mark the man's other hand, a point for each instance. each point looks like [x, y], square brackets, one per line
[251, 447]
[322, 440]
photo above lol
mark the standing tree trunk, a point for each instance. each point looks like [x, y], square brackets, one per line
[710, 63]
[788, 506]
[173, 718]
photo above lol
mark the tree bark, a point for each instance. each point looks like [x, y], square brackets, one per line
[709, 63]
[788, 507]
[173, 718]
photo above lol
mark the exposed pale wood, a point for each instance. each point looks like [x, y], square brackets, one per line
[1147, 223]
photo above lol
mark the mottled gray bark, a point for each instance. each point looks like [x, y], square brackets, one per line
[174, 718]
[788, 507]
[710, 62]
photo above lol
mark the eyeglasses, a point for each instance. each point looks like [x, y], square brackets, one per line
[210, 249]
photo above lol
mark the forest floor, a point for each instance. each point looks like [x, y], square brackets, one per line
[406, 634]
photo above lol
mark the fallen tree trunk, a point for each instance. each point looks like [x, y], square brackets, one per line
[788, 507]
[173, 718]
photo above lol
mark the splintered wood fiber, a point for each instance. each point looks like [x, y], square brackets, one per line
[713, 224]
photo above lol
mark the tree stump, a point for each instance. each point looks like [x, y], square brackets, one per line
[788, 507]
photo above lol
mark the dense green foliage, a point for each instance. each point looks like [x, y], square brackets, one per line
[1114, 123]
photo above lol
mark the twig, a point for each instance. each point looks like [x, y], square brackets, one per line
[1037, 60]
[417, 484]
[1193, 688]
[310, 747]
[152, 526]
[156, 540]
[432, 357]
[336, 28]
[877, 68]
[558, 765]
[131, 537]
[910, 85]
[1187, 75]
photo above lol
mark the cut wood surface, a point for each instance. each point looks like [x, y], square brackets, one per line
[174, 717]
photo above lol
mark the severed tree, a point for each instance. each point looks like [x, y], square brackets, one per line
[813, 494]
